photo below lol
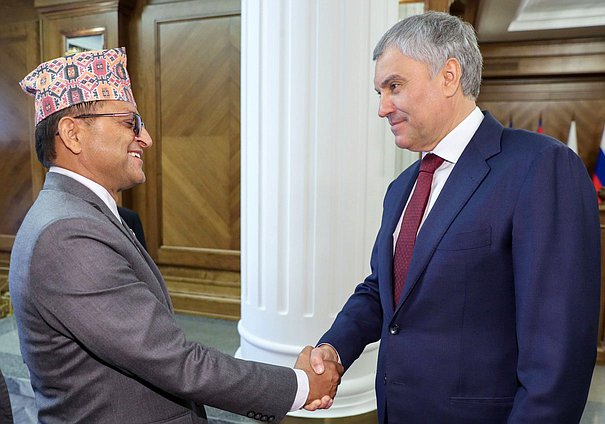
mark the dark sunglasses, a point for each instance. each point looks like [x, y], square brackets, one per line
[138, 123]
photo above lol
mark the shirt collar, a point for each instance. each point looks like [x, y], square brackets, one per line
[96, 188]
[453, 144]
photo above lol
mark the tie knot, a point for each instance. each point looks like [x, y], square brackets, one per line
[430, 163]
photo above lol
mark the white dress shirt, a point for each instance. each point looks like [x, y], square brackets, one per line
[301, 377]
[96, 188]
[449, 148]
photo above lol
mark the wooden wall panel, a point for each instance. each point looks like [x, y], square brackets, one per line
[558, 101]
[20, 173]
[14, 11]
[185, 64]
[199, 119]
[18, 53]
[559, 79]
[58, 24]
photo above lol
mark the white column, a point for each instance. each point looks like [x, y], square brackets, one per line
[316, 160]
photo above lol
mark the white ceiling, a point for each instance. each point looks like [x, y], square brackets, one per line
[515, 20]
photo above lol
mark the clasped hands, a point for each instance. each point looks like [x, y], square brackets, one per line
[324, 372]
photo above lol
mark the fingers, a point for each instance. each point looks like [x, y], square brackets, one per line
[323, 387]
[317, 360]
[313, 406]
[324, 375]
[324, 403]
[330, 403]
[334, 371]
[340, 369]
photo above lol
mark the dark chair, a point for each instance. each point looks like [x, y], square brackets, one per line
[6, 415]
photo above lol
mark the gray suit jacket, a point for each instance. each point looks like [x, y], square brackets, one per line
[97, 330]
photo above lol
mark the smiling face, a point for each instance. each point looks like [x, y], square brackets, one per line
[105, 148]
[416, 105]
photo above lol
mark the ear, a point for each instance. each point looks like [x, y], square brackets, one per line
[69, 134]
[451, 73]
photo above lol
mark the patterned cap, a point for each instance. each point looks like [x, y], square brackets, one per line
[77, 78]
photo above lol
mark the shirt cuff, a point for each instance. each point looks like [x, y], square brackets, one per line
[302, 393]
[337, 354]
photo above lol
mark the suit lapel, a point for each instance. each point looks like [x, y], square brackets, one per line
[59, 182]
[123, 227]
[470, 170]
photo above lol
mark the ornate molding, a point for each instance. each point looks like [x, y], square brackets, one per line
[580, 56]
[60, 8]
[203, 292]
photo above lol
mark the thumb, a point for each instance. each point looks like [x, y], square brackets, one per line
[317, 360]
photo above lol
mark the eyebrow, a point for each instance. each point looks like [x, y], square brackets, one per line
[388, 80]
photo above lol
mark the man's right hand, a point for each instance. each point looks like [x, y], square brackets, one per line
[322, 353]
[323, 385]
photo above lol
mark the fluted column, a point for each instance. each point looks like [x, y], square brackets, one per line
[316, 160]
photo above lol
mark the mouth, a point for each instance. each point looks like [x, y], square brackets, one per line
[135, 154]
[396, 120]
[396, 123]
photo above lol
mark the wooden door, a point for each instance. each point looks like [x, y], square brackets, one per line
[185, 66]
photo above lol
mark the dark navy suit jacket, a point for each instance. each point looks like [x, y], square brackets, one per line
[498, 318]
[133, 220]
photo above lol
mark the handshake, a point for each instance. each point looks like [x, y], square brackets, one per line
[323, 371]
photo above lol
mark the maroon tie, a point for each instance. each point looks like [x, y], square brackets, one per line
[411, 222]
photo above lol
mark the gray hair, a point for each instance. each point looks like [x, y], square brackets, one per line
[433, 38]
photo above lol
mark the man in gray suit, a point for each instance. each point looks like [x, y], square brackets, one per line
[94, 316]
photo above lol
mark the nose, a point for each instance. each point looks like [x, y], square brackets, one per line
[385, 106]
[144, 139]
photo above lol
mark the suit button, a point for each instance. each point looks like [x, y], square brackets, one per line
[264, 418]
[257, 416]
[250, 414]
[271, 418]
[394, 329]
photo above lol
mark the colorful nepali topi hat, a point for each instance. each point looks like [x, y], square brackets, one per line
[77, 78]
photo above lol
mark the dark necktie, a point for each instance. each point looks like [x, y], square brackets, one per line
[411, 222]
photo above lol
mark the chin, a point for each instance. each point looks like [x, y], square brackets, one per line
[402, 143]
[136, 181]
[406, 143]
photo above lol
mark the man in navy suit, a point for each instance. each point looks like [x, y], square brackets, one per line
[497, 318]
[133, 221]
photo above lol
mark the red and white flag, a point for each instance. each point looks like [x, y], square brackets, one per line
[598, 178]
[572, 138]
[540, 129]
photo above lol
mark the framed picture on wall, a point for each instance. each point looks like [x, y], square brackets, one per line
[85, 40]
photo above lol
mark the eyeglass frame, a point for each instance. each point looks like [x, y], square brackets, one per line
[138, 121]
